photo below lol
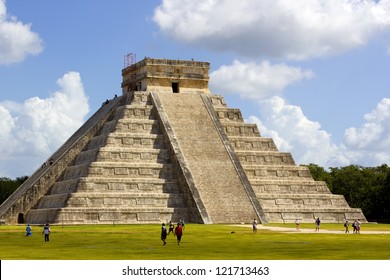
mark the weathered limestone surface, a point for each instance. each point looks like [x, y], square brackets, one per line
[285, 191]
[123, 176]
[168, 148]
[223, 196]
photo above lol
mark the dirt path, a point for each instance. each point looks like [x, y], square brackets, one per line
[293, 230]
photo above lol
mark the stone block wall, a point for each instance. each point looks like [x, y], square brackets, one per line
[124, 175]
[286, 192]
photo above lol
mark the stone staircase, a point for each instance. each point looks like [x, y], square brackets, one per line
[124, 175]
[216, 179]
[286, 192]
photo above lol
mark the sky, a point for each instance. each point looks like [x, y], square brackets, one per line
[312, 74]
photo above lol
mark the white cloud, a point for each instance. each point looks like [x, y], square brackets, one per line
[293, 132]
[256, 81]
[370, 143]
[280, 142]
[16, 39]
[298, 29]
[31, 131]
[305, 138]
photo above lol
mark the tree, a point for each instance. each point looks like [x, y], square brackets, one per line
[363, 187]
[7, 187]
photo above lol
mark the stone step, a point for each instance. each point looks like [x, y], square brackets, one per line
[116, 200]
[139, 111]
[99, 184]
[76, 171]
[264, 157]
[108, 127]
[101, 215]
[217, 101]
[141, 97]
[326, 215]
[86, 156]
[241, 129]
[97, 142]
[215, 178]
[229, 115]
[120, 170]
[119, 154]
[289, 186]
[52, 201]
[301, 200]
[142, 126]
[124, 200]
[135, 140]
[252, 143]
[111, 153]
[276, 172]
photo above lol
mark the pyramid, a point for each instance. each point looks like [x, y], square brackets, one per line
[166, 149]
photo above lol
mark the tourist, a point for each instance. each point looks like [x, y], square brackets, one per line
[254, 225]
[358, 223]
[178, 233]
[318, 223]
[297, 223]
[28, 230]
[163, 234]
[46, 232]
[171, 227]
[354, 224]
[182, 222]
[346, 225]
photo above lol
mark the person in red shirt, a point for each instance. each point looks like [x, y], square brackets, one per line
[178, 233]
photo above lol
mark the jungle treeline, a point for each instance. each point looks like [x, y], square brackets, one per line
[367, 188]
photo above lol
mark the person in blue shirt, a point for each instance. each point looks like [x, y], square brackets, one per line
[28, 230]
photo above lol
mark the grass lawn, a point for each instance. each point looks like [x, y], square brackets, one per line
[199, 242]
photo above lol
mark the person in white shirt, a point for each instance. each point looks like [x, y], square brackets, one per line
[46, 232]
[297, 223]
[254, 225]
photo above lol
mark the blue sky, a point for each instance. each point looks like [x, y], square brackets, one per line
[313, 74]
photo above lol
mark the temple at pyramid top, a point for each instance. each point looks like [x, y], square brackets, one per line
[169, 149]
[177, 76]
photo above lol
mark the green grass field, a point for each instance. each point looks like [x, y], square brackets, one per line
[199, 242]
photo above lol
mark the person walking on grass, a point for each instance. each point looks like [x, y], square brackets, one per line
[318, 223]
[346, 225]
[254, 225]
[46, 232]
[171, 228]
[28, 230]
[297, 224]
[358, 223]
[178, 233]
[182, 223]
[163, 234]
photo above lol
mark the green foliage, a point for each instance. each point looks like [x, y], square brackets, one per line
[199, 242]
[7, 187]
